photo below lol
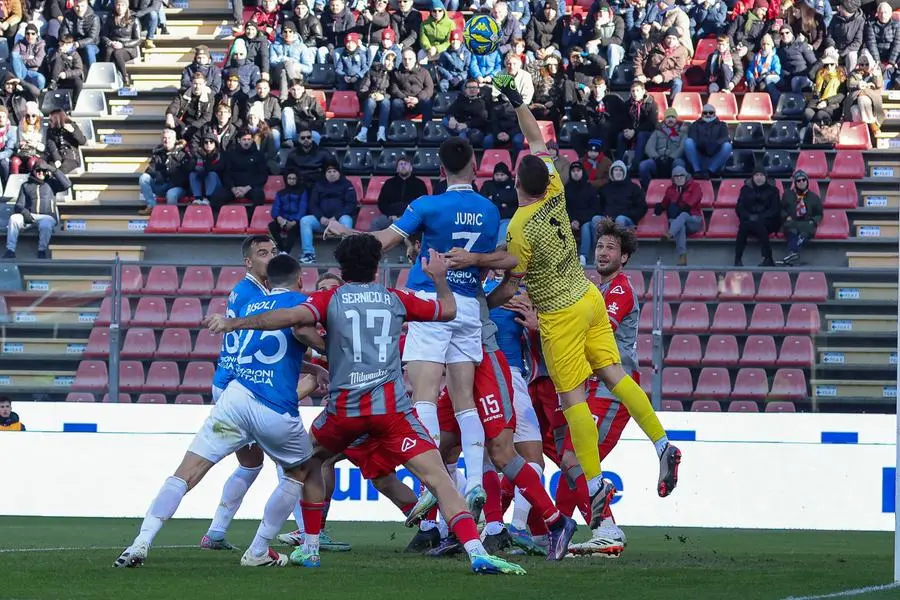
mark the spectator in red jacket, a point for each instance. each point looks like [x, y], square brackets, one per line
[681, 203]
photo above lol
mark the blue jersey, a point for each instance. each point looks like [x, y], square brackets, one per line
[247, 289]
[268, 363]
[509, 333]
[458, 218]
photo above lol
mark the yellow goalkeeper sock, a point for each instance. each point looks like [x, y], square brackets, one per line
[638, 404]
[584, 438]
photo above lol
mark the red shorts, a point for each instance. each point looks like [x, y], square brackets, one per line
[394, 438]
[610, 415]
[373, 461]
[546, 405]
[493, 398]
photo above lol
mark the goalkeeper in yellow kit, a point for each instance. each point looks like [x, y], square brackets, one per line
[576, 337]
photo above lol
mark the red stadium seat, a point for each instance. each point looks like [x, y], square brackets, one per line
[722, 224]
[189, 399]
[671, 285]
[689, 106]
[759, 351]
[726, 105]
[151, 399]
[803, 318]
[700, 285]
[811, 286]
[150, 312]
[751, 384]
[738, 285]
[491, 158]
[777, 406]
[702, 50]
[721, 351]
[197, 281]
[646, 376]
[356, 182]
[174, 343]
[139, 343]
[709, 196]
[162, 281]
[834, 226]
[374, 189]
[646, 321]
[684, 350]
[767, 318]
[104, 316]
[637, 282]
[756, 106]
[274, 184]
[706, 406]
[197, 377]
[848, 164]
[656, 191]
[91, 376]
[345, 105]
[841, 194]
[729, 190]
[692, 317]
[163, 376]
[653, 226]
[853, 136]
[788, 384]
[672, 405]
[662, 102]
[164, 218]
[814, 163]
[259, 222]
[98, 343]
[198, 218]
[216, 306]
[645, 349]
[743, 406]
[366, 216]
[232, 219]
[318, 95]
[132, 280]
[208, 345]
[774, 286]
[80, 397]
[796, 351]
[131, 375]
[228, 278]
[713, 382]
[730, 317]
[677, 382]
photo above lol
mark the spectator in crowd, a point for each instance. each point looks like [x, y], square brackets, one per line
[9, 139]
[435, 35]
[407, 23]
[801, 213]
[759, 215]
[584, 66]
[453, 64]
[664, 150]
[167, 173]
[291, 204]
[603, 113]
[191, 109]
[9, 421]
[764, 71]
[151, 14]
[221, 128]
[247, 72]
[333, 198]
[483, 67]
[258, 48]
[708, 18]
[620, 199]
[351, 63]
[751, 26]
[707, 147]
[411, 90]
[36, 205]
[662, 64]
[723, 67]
[15, 94]
[505, 131]
[510, 28]
[638, 123]
[549, 83]
[307, 159]
[271, 109]
[373, 21]
[209, 167]
[560, 162]
[807, 25]
[27, 57]
[572, 33]
[10, 19]
[607, 37]
[202, 62]
[829, 91]
[263, 136]
[30, 143]
[797, 61]
[882, 37]
[582, 207]
[83, 25]
[501, 190]
[520, 10]
[246, 171]
[543, 35]
[596, 164]
[672, 17]
[337, 22]
[64, 137]
[524, 82]
[309, 30]
[845, 32]
[865, 87]
[289, 58]
[681, 205]
[468, 115]
[66, 68]
[53, 13]
[396, 194]
[121, 35]
[299, 106]
[267, 18]
[232, 95]
[822, 8]
[374, 95]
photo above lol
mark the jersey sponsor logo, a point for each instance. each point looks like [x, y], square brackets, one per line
[617, 290]
[361, 379]
[407, 444]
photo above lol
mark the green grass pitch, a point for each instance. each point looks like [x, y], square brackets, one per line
[658, 564]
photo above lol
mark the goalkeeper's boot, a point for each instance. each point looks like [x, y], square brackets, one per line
[426, 502]
[269, 559]
[486, 564]
[561, 533]
[133, 556]
[607, 540]
[668, 470]
[522, 539]
[600, 502]
[424, 540]
[326, 542]
[475, 500]
[294, 538]
[207, 543]
[305, 558]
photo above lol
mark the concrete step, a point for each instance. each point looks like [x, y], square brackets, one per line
[858, 356]
[861, 323]
[872, 260]
[37, 380]
[864, 290]
[67, 347]
[97, 252]
[105, 223]
[841, 389]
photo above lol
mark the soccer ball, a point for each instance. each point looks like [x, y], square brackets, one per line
[482, 34]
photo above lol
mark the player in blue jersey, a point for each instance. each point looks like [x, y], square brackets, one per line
[259, 405]
[458, 218]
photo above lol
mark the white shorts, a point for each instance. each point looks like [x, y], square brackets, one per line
[455, 341]
[527, 427]
[238, 419]
[216, 393]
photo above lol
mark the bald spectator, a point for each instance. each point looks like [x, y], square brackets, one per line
[397, 193]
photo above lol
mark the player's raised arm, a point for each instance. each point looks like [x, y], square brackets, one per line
[501, 294]
[435, 267]
[270, 320]
[388, 237]
[500, 260]
[527, 123]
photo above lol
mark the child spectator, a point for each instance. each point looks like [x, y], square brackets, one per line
[374, 95]
[596, 164]
[291, 204]
[351, 63]
[453, 64]
[681, 204]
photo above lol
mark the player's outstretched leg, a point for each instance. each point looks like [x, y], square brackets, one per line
[277, 510]
[312, 505]
[250, 459]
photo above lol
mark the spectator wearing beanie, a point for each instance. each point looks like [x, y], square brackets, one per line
[453, 64]
[247, 72]
[801, 213]
[662, 63]
[505, 131]
[621, 199]
[543, 35]
[435, 35]
[501, 190]
[388, 43]
[289, 58]
[396, 194]
[36, 205]
[307, 159]
[681, 204]
[664, 150]
[751, 26]
[595, 163]
[829, 90]
[845, 32]
[203, 63]
[707, 147]
[333, 198]
[291, 204]
[351, 64]
[258, 47]
[759, 214]
[582, 207]
[209, 164]
[237, 101]
[27, 57]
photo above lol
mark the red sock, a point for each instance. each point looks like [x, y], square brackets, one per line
[312, 516]
[407, 508]
[507, 493]
[528, 481]
[582, 498]
[565, 498]
[463, 527]
[325, 507]
[536, 523]
[492, 507]
[432, 514]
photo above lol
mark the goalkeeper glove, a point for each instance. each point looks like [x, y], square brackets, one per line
[507, 86]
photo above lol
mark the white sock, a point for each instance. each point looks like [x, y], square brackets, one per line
[233, 493]
[594, 484]
[298, 512]
[442, 526]
[460, 481]
[311, 543]
[363, 131]
[493, 528]
[471, 435]
[276, 512]
[660, 445]
[427, 413]
[426, 525]
[474, 548]
[163, 507]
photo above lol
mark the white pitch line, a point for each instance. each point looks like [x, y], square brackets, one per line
[24, 550]
[853, 592]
